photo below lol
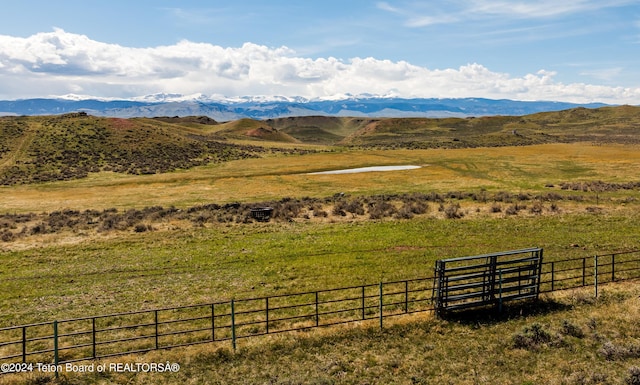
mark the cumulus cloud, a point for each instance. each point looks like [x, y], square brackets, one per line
[58, 63]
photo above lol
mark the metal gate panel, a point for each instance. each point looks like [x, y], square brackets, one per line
[488, 279]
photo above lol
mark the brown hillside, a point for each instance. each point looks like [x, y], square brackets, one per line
[603, 125]
[253, 129]
[37, 149]
[319, 129]
[45, 148]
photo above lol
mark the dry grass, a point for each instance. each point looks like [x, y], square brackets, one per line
[511, 169]
[71, 274]
[570, 337]
[67, 227]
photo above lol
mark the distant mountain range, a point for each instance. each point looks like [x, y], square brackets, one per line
[270, 107]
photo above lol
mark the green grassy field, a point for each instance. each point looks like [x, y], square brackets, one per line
[162, 269]
[512, 169]
[572, 199]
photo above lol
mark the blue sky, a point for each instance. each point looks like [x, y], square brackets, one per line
[570, 50]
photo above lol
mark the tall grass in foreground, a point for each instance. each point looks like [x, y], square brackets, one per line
[568, 338]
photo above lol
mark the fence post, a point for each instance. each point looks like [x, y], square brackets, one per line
[553, 275]
[584, 271]
[406, 296]
[213, 322]
[56, 358]
[267, 313]
[233, 325]
[93, 337]
[381, 305]
[317, 313]
[499, 290]
[155, 316]
[363, 303]
[24, 344]
[613, 267]
[595, 274]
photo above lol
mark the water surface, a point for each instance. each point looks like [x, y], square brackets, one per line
[366, 169]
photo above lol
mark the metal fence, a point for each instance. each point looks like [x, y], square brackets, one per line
[588, 271]
[112, 335]
[487, 279]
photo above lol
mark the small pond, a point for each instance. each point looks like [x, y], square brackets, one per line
[366, 169]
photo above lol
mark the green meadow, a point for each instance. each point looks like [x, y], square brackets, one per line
[573, 199]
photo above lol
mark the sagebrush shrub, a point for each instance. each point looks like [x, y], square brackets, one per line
[532, 337]
[453, 212]
[612, 352]
[536, 208]
[571, 329]
[633, 377]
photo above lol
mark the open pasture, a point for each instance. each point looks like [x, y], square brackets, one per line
[120, 271]
[511, 169]
[79, 274]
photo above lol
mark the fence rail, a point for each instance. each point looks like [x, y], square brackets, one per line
[110, 335]
[487, 279]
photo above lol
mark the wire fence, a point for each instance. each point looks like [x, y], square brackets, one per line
[97, 337]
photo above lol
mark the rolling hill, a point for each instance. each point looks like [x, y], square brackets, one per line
[36, 149]
[255, 130]
[70, 146]
[606, 124]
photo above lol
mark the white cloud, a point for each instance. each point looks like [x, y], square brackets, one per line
[498, 12]
[383, 5]
[537, 9]
[605, 74]
[58, 63]
[463, 10]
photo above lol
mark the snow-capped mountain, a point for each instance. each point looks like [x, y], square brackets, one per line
[223, 108]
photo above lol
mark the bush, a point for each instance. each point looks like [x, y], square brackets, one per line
[552, 196]
[571, 329]
[7, 236]
[419, 208]
[503, 196]
[612, 352]
[453, 212]
[381, 209]
[40, 228]
[633, 378]
[141, 228]
[532, 337]
[320, 213]
[404, 213]
[7, 223]
[355, 207]
[288, 210]
[514, 209]
[338, 210]
[109, 222]
[524, 197]
[586, 378]
[536, 208]
[409, 209]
